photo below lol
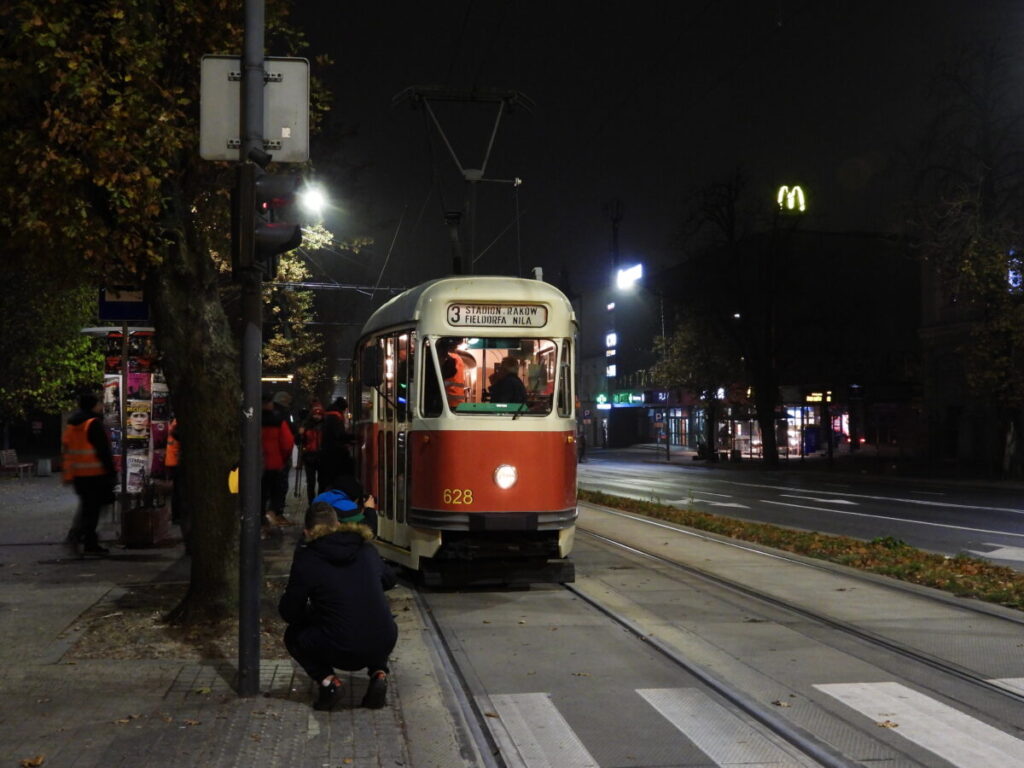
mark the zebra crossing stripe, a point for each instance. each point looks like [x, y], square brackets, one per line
[955, 737]
[540, 735]
[1015, 684]
[717, 731]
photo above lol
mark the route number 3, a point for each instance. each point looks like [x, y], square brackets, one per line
[458, 496]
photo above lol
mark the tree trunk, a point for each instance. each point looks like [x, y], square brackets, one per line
[200, 361]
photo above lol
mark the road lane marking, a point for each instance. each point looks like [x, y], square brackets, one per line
[886, 517]
[1000, 552]
[920, 502]
[733, 504]
[541, 736]
[870, 497]
[715, 730]
[958, 738]
[813, 498]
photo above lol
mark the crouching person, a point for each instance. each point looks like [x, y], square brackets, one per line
[338, 616]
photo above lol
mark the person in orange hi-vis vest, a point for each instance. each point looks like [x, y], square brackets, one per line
[453, 369]
[88, 464]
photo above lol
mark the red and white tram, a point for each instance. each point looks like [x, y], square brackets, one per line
[474, 472]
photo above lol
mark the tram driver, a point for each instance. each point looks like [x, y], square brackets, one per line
[506, 386]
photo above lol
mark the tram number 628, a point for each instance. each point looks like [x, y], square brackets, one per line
[458, 496]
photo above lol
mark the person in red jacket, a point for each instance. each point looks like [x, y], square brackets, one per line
[278, 443]
[311, 434]
[89, 465]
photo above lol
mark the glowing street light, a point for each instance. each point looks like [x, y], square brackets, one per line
[628, 277]
[313, 200]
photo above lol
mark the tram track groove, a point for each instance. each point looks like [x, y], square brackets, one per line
[468, 712]
[791, 733]
[498, 750]
[865, 636]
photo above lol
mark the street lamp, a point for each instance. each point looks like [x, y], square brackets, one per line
[626, 279]
[313, 200]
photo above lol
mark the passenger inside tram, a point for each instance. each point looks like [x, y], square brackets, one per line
[487, 375]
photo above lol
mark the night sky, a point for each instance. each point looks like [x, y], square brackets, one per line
[644, 102]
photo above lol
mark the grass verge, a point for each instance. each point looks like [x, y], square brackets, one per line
[962, 575]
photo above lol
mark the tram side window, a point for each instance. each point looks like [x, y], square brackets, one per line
[432, 403]
[387, 390]
[565, 380]
[363, 409]
[403, 373]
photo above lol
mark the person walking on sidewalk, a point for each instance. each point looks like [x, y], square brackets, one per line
[88, 464]
[311, 434]
[335, 458]
[278, 442]
[337, 613]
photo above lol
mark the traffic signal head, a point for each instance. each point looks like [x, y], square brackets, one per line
[277, 229]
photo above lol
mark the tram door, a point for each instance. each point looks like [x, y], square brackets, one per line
[393, 418]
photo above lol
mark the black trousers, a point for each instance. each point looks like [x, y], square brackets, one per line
[318, 656]
[93, 493]
[274, 489]
[313, 472]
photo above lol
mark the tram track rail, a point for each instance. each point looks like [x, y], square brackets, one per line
[474, 733]
[863, 635]
[489, 750]
[488, 741]
[792, 734]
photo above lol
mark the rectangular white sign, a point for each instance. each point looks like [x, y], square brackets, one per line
[285, 108]
[497, 315]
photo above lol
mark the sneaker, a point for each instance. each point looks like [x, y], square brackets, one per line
[96, 550]
[376, 691]
[327, 698]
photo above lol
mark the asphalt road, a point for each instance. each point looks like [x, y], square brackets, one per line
[985, 520]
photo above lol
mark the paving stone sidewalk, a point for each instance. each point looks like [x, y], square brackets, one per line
[57, 712]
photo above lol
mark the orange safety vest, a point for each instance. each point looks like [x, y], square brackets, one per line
[80, 457]
[173, 454]
[455, 387]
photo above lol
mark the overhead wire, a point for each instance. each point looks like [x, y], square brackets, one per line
[458, 43]
[391, 248]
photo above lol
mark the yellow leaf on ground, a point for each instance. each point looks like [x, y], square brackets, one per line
[32, 762]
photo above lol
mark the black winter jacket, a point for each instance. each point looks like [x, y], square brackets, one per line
[337, 583]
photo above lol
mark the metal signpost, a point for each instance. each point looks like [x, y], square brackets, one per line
[235, 125]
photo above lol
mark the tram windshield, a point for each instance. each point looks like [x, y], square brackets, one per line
[482, 375]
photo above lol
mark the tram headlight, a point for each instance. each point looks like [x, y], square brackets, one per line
[505, 476]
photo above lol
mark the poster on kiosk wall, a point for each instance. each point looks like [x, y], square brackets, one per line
[136, 410]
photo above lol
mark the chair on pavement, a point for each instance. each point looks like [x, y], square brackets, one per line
[9, 463]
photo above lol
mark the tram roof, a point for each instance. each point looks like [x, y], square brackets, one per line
[410, 305]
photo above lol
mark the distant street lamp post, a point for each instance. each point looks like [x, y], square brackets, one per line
[625, 280]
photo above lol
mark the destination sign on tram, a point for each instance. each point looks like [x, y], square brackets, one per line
[497, 315]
